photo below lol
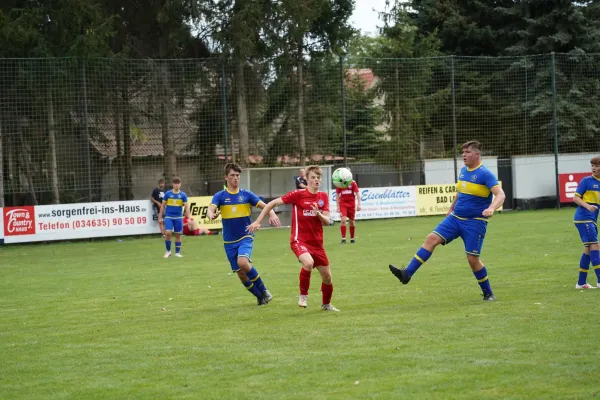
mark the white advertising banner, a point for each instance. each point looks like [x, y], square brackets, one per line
[386, 202]
[77, 221]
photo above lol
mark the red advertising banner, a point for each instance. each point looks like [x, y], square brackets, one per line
[568, 185]
[19, 220]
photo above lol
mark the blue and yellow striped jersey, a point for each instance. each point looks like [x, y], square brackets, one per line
[589, 191]
[235, 212]
[474, 192]
[174, 203]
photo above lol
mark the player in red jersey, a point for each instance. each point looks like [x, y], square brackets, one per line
[348, 203]
[310, 212]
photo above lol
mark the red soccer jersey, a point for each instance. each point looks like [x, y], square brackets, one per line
[306, 226]
[347, 195]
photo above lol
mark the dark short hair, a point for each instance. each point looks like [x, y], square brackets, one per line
[176, 179]
[232, 166]
[161, 180]
[473, 144]
[595, 160]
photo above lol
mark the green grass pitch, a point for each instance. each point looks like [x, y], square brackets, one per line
[113, 320]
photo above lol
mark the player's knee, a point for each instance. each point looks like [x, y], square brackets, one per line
[308, 264]
[474, 262]
[244, 264]
[327, 279]
[431, 241]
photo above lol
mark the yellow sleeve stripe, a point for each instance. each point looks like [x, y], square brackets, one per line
[577, 194]
[213, 204]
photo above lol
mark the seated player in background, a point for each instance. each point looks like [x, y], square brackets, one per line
[174, 207]
[310, 213]
[587, 198]
[192, 228]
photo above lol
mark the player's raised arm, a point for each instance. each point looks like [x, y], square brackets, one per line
[499, 197]
[268, 207]
[273, 218]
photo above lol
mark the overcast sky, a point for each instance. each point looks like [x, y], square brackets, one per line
[364, 18]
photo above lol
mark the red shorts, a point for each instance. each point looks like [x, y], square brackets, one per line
[187, 232]
[346, 211]
[317, 253]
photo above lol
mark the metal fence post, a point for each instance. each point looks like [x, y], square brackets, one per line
[555, 129]
[454, 138]
[86, 128]
[343, 103]
[224, 103]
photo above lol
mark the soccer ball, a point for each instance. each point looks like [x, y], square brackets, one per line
[341, 177]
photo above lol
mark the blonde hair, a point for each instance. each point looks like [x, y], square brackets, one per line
[315, 169]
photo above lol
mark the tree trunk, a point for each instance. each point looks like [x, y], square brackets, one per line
[301, 136]
[127, 162]
[1, 168]
[242, 114]
[52, 149]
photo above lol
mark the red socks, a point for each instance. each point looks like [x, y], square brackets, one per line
[343, 229]
[352, 229]
[327, 292]
[304, 281]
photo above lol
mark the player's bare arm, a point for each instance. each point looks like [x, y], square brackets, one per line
[253, 227]
[497, 203]
[452, 205]
[158, 203]
[357, 202]
[187, 214]
[161, 211]
[322, 215]
[579, 201]
[273, 218]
